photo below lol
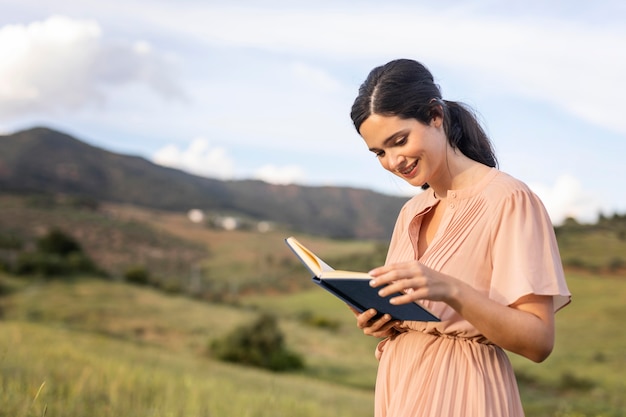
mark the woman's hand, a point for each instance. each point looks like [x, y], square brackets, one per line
[421, 282]
[377, 327]
[525, 327]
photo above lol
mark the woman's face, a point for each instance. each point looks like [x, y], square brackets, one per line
[406, 147]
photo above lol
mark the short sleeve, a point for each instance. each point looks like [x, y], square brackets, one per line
[525, 255]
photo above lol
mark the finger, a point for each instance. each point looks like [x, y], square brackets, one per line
[395, 287]
[379, 270]
[374, 324]
[404, 299]
[384, 274]
[386, 278]
[378, 324]
[386, 330]
[364, 319]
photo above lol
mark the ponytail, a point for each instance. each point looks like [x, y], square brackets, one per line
[465, 133]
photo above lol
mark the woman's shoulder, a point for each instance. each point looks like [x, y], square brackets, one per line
[506, 182]
[508, 192]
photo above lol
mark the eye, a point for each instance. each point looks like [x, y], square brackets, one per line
[400, 141]
[379, 154]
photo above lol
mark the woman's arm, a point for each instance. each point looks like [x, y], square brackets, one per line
[525, 327]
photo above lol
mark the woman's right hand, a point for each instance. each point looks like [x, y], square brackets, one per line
[380, 327]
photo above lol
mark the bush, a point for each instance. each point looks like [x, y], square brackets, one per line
[58, 243]
[314, 320]
[57, 254]
[41, 264]
[569, 381]
[259, 344]
[137, 275]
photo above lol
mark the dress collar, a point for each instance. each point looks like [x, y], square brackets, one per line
[467, 192]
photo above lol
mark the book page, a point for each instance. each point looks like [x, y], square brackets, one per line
[318, 267]
[313, 262]
[344, 275]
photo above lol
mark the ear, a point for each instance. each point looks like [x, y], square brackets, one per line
[436, 116]
[436, 113]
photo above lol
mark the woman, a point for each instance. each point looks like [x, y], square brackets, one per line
[476, 248]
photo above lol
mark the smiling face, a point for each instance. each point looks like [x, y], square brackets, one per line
[408, 148]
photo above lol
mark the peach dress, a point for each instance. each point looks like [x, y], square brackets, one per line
[496, 236]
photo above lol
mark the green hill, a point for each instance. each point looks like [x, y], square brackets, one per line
[41, 160]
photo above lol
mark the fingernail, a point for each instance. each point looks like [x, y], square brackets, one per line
[373, 283]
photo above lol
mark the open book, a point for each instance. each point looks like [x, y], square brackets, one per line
[354, 288]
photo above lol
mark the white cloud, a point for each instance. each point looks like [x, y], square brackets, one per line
[63, 63]
[566, 198]
[289, 174]
[576, 66]
[198, 158]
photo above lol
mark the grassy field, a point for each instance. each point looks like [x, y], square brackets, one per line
[93, 347]
[101, 349]
[108, 349]
[584, 376]
[60, 372]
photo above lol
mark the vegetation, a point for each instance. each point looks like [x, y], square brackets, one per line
[57, 254]
[86, 346]
[113, 240]
[597, 248]
[65, 347]
[260, 344]
[51, 371]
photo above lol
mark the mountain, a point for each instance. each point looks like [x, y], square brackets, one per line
[42, 160]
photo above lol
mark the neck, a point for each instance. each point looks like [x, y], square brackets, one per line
[460, 172]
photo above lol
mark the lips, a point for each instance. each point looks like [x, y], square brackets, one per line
[409, 169]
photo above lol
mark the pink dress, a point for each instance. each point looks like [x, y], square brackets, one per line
[496, 236]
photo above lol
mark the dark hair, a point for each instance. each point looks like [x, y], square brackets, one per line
[405, 88]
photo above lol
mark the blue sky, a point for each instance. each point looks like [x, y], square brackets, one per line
[254, 89]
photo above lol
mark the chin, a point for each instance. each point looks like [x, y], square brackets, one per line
[415, 182]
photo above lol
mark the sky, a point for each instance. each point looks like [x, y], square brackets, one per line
[263, 89]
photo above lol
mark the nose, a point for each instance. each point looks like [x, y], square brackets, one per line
[394, 160]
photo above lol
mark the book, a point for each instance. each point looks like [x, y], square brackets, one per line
[354, 287]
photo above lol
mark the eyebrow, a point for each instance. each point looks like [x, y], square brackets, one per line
[391, 139]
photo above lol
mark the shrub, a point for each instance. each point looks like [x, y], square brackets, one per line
[569, 381]
[574, 262]
[41, 264]
[57, 254]
[259, 344]
[137, 275]
[58, 243]
[314, 320]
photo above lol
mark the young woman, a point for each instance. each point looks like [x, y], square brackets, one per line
[476, 248]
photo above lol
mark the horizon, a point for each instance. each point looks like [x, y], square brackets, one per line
[587, 222]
